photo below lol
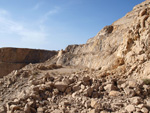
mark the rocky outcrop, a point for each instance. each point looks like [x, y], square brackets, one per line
[104, 50]
[16, 58]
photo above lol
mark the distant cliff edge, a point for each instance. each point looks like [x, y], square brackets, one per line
[16, 58]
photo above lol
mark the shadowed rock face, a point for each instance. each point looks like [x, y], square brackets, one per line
[16, 58]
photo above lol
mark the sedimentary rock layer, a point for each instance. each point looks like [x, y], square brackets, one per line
[16, 58]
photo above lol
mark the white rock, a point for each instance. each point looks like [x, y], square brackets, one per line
[40, 110]
[61, 86]
[130, 108]
[109, 87]
[144, 110]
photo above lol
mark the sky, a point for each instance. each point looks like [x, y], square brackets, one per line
[55, 24]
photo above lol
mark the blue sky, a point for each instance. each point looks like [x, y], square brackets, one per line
[54, 24]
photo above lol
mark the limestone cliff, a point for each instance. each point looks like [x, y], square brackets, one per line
[16, 58]
[116, 44]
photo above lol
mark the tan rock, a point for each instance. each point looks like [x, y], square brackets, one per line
[132, 84]
[60, 53]
[103, 112]
[14, 107]
[86, 79]
[40, 110]
[110, 87]
[57, 111]
[130, 108]
[114, 93]
[61, 86]
[82, 86]
[27, 109]
[129, 92]
[144, 110]
[95, 104]
[135, 100]
[76, 88]
[94, 111]
[88, 104]
[89, 91]
[68, 90]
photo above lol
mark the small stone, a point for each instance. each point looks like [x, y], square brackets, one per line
[148, 102]
[110, 87]
[73, 110]
[132, 84]
[27, 108]
[86, 79]
[89, 91]
[124, 85]
[129, 92]
[94, 111]
[95, 104]
[119, 104]
[35, 88]
[140, 106]
[14, 107]
[76, 88]
[68, 90]
[82, 86]
[135, 100]
[40, 110]
[95, 95]
[114, 93]
[61, 86]
[55, 91]
[66, 103]
[130, 108]
[103, 112]
[66, 80]
[88, 104]
[138, 110]
[57, 111]
[144, 110]
[2, 109]
[74, 94]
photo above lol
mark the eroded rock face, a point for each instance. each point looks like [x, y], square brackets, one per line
[16, 58]
[122, 41]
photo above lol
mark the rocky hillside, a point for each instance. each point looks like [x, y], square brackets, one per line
[16, 58]
[108, 74]
[129, 33]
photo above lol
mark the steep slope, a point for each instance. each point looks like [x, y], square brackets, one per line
[102, 51]
[16, 58]
[117, 79]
